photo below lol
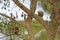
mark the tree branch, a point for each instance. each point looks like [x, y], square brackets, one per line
[33, 5]
[39, 19]
[7, 16]
[29, 19]
[21, 24]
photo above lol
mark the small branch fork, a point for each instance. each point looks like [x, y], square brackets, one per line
[39, 19]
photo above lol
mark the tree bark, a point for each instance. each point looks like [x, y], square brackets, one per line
[30, 32]
[51, 32]
[53, 26]
[29, 19]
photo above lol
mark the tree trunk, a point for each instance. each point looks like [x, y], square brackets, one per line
[53, 26]
[30, 32]
[51, 32]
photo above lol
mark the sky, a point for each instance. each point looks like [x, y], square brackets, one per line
[14, 9]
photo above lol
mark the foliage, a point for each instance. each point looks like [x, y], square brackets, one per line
[46, 5]
[57, 36]
[36, 26]
[4, 24]
[5, 27]
[44, 33]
